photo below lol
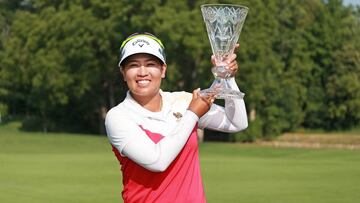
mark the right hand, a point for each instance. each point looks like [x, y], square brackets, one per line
[200, 105]
[229, 61]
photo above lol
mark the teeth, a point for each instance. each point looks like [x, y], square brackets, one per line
[143, 82]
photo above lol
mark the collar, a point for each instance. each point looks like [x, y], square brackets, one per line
[136, 108]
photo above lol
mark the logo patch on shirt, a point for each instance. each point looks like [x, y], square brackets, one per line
[177, 115]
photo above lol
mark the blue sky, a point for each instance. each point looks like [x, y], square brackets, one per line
[353, 2]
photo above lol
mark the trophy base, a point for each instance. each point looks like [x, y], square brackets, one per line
[221, 89]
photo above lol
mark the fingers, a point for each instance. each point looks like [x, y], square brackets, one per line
[230, 61]
[213, 60]
[200, 104]
[233, 66]
[209, 99]
[196, 93]
[231, 58]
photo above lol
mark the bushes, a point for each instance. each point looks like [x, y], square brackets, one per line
[250, 134]
[3, 111]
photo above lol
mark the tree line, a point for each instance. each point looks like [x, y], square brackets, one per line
[299, 60]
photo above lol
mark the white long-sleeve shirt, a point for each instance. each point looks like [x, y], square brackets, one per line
[127, 123]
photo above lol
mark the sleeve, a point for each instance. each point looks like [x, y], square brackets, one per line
[133, 143]
[231, 118]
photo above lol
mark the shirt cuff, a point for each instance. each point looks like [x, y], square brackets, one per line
[192, 115]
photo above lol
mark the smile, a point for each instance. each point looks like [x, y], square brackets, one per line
[143, 82]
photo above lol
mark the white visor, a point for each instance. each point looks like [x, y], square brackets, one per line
[142, 44]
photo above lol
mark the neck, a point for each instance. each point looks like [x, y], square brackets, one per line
[151, 103]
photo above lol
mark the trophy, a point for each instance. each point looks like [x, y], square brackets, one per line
[223, 24]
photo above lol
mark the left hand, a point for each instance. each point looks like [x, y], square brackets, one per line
[231, 62]
[200, 104]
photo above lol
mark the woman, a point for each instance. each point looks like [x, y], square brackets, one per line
[153, 133]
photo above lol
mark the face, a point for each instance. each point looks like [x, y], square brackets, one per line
[143, 74]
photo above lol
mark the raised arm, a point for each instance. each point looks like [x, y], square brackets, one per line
[231, 118]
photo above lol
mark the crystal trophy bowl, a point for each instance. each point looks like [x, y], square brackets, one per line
[223, 25]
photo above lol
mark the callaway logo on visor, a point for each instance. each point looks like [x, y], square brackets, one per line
[140, 42]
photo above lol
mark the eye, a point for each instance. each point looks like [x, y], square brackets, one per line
[132, 65]
[152, 64]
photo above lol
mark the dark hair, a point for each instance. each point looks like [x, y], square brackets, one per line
[125, 61]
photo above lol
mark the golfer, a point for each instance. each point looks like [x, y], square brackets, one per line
[153, 132]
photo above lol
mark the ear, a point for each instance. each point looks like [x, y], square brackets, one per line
[163, 71]
[122, 73]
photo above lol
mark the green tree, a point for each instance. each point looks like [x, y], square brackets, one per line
[343, 81]
[299, 61]
[332, 40]
[53, 55]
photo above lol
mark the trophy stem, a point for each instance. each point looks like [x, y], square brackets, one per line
[222, 90]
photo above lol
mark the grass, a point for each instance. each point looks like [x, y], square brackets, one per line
[42, 168]
[39, 168]
[339, 140]
[237, 173]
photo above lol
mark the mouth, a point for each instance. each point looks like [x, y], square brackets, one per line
[143, 82]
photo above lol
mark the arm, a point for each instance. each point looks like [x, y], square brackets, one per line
[133, 142]
[232, 118]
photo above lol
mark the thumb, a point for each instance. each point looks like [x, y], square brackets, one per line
[196, 93]
[213, 59]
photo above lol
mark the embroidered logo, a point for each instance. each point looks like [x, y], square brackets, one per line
[141, 41]
[177, 115]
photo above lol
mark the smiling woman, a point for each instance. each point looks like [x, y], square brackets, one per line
[153, 133]
[143, 74]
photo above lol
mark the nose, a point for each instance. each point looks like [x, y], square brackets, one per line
[142, 71]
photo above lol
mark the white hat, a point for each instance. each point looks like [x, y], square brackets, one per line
[142, 43]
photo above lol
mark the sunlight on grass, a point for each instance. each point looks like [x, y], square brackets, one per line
[52, 167]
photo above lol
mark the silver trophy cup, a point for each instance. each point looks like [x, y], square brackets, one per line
[223, 24]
